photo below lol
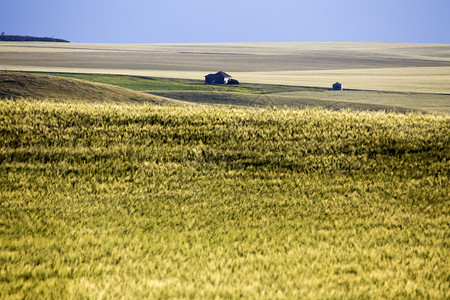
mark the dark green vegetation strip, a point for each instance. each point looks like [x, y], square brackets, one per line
[142, 83]
[206, 202]
[21, 38]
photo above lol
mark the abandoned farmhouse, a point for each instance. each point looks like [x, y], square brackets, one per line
[220, 78]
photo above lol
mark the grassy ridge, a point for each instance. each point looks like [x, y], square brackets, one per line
[143, 201]
[43, 86]
[141, 83]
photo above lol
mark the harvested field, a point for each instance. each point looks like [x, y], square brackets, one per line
[373, 66]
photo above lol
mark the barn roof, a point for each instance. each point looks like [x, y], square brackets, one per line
[220, 74]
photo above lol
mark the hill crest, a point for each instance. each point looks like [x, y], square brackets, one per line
[41, 87]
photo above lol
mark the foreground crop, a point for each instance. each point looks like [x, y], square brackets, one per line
[146, 201]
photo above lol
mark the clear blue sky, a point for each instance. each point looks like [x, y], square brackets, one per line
[180, 21]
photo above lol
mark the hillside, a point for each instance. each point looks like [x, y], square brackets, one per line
[206, 202]
[248, 94]
[40, 87]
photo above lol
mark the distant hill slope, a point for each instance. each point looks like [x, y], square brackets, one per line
[40, 87]
[21, 38]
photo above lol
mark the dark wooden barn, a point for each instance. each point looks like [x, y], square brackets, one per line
[218, 78]
[337, 86]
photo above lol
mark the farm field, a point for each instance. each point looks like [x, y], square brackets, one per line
[368, 66]
[100, 88]
[149, 201]
[290, 192]
[248, 94]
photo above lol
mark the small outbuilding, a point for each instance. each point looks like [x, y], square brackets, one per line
[218, 78]
[337, 86]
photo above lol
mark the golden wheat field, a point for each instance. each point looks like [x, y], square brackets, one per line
[140, 201]
[138, 197]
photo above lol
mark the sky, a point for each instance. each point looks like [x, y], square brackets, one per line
[194, 21]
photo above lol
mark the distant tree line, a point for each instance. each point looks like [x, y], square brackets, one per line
[20, 38]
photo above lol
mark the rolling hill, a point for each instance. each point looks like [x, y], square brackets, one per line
[257, 95]
[40, 87]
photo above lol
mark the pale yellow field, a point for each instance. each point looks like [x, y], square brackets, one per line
[369, 66]
[399, 50]
[421, 80]
[424, 80]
